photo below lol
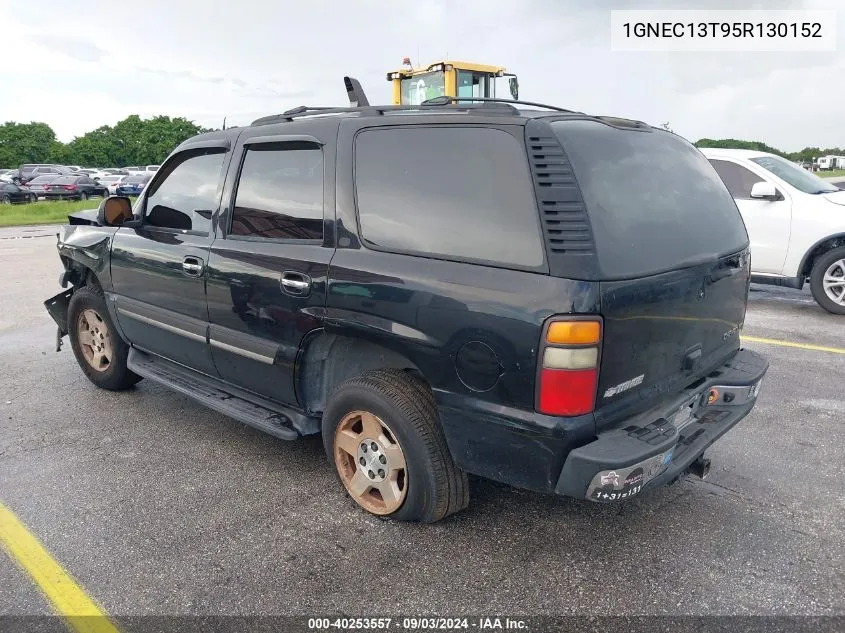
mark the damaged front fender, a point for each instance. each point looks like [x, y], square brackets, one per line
[85, 248]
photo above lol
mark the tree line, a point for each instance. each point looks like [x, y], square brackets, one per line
[132, 141]
[805, 155]
[137, 141]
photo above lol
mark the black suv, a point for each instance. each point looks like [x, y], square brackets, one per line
[541, 297]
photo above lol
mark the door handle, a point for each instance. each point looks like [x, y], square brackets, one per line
[192, 266]
[297, 284]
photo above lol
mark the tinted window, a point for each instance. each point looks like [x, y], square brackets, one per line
[186, 194]
[737, 178]
[653, 199]
[42, 179]
[461, 193]
[66, 180]
[134, 180]
[280, 192]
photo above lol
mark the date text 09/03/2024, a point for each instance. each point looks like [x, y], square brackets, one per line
[417, 624]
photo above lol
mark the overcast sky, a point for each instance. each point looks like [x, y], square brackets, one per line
[81, 65]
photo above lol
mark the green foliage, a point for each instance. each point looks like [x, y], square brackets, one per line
[25, 143]
[47, 212]
[806, 154]
[133, 141]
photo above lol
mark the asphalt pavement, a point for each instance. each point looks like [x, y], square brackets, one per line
[156, 505]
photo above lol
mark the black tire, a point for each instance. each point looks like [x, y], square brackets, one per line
[116, 376]
[820, 266]
[5, 200]
[436, 487]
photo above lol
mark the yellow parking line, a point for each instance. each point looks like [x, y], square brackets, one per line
[772, 341]
[68, 598]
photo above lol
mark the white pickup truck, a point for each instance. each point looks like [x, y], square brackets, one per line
[795, 221]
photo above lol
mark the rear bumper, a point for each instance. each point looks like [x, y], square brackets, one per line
[538, 452]
[656, 447]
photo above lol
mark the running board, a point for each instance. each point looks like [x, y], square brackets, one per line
[277, 421]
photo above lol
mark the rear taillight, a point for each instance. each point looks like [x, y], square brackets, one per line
[569, 366]
[69, 187]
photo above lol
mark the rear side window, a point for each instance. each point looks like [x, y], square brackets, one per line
[737, 178]
[280, 192]
[654, 200]
[451, 193]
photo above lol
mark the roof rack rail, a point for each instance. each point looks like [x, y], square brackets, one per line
[446, 100]
[371, 110]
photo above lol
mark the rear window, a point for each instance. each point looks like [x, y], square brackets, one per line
[133, 180]
[653, 199]
[66, 180]
[42, 179]
[451, 193]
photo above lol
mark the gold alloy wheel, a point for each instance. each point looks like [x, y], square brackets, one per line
[94, 340]
[370, 462]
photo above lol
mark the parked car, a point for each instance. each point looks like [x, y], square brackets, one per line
[795, 220]
[94, 174]
[13, 194]
[11, 175]
[131, 185]
[30, 171]
[39, 184]
[116, 171]
[151, 169]
[74, 188]
[530, 295]
[111, 183]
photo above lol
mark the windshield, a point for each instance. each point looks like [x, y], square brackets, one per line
[795, 176]
[424, 86]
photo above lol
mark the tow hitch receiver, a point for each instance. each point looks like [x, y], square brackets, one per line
[700, 467]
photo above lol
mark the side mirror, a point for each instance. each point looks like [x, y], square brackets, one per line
[764, 191]
[116, 211]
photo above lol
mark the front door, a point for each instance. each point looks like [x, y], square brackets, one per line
[767, 221]
[267, 270]
[159, 270]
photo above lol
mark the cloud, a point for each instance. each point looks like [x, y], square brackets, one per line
[206, 61]
[72, 47]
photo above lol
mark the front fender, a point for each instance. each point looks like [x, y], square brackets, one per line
[83, 248]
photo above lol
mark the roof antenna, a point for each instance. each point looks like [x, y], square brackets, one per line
[357, 98]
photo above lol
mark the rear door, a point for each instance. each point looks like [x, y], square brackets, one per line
[267, 270]
[159, 271]
[671, 254]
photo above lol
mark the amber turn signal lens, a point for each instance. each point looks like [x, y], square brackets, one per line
[574, 333]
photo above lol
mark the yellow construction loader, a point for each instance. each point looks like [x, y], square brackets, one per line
[413, 85]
